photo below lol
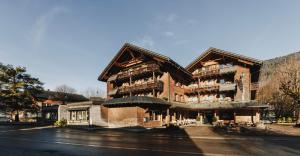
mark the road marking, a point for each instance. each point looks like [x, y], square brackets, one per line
[27, 129]
[113, 147]
[35, 128]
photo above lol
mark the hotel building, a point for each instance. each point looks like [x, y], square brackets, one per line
[148, 89]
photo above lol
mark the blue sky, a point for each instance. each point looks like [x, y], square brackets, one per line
[70, 42]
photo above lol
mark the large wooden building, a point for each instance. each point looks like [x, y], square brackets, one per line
[145, 88]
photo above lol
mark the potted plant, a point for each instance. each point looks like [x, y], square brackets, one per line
[198, 120]
[214, 121]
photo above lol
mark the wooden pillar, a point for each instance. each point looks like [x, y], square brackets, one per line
[174, 116]
[168, 117]
[234, 116]
[161, 119]
[180, 117]
[252, 120]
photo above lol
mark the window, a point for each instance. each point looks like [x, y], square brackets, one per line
[79, 115]
[222, 81]
[177, 97]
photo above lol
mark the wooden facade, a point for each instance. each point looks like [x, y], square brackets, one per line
[217, 77]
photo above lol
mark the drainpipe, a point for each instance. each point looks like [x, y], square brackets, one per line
[169, 86]
[169, 99]
[130, 84]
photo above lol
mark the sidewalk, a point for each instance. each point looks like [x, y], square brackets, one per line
[284, 129]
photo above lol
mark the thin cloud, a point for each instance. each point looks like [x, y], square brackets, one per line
[145, 41]
[169, 34]
[41, 24]
[171, 18]
[191, 21]
[181, 42]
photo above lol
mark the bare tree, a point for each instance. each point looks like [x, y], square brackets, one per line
[65, 89]
[270, 93]
[290, 83]
[93, 92]
[63, 92]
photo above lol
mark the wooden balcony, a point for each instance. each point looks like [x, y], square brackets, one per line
[227, 70]
[137, 71]
[203, 89]
[254, 86]
[148, 86]
[207, 73]
[215, 72]
[227, 87]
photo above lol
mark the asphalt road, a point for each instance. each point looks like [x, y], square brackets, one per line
[52, 141]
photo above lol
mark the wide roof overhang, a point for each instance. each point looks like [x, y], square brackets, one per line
[220, 105]
[224, 53]
[136, 100]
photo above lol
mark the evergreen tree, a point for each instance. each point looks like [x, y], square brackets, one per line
[18, 89]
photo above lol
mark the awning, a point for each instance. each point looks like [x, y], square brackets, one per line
[112, 78]
[78, 108]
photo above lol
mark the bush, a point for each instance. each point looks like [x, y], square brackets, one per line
[279, 120]
[283, 119]
[61, 123]
[289, 120]
[198, 118]
[214, 119]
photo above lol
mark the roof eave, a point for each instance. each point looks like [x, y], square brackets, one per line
[220, 51]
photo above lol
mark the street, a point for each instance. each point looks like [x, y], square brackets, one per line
[109, 142]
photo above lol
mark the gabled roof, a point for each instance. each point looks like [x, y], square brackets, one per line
[145, 52]
[225, 53]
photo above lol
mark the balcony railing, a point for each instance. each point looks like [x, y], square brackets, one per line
[227, 87]
[226, 99]
[207, 73]
[137, 71]
[254, 86]
[218, 71]
[207, 88]
[157, 85]
[226, 70]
